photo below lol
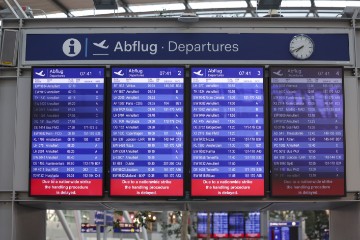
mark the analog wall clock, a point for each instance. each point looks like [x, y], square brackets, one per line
[301, 46]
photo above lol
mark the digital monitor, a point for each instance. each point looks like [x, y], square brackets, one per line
[284, 231]
[202, 224]
[67, 131]
[147, 132]
[252, 225]
[227, 132]
[220, 225]
[307, 132]
[236, 225]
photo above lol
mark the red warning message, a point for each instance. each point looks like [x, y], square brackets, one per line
[227, 187]
[308, 187]
[146, 187]
[66, 187]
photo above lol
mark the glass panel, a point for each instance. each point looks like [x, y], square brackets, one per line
[157, 7]
[301, 3]
[227, 4]
[337, 3]
[53, 15]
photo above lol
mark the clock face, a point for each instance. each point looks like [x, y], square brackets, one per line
[301, 46]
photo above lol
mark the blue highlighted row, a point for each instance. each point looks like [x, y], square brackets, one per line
[147, 91]
[147, 163]
[129, 175]
[147, 157]
[67, 157]
[66, 163]
[67, 175]
[228, 175]
[227, 103]
[68, 103]
[308, 175]
[147, 151]
[41, 93]
[67, 98]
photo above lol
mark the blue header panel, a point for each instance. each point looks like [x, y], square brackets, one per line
[68, 73]
[147, 132]
[67, 132]
[148, 73]
[215, 72]
[179, 46]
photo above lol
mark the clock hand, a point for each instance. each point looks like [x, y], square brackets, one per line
[297, 49]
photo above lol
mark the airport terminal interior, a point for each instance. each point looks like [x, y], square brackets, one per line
[184, 119]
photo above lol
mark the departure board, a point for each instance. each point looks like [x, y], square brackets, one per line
[67, 119]
[252, 225]
[147, 113]
[307, 132]
[202, 224]
[236, 225]
[227, 156]
[220, 225]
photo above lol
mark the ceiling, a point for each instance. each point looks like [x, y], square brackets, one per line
[174, 8]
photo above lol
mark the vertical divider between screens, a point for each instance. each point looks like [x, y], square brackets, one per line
[107, 125]
[187, 132]
[267, 138]
[212, 224]
[270, 169]
[30, 133]
[104, 134]
[344, 128]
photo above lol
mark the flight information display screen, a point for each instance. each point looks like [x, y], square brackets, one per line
[220, 225]
[252, 225]
[147, 131]
[202, 224]
[227, 156]
[236, 225]
[307, 132]
[67, 135]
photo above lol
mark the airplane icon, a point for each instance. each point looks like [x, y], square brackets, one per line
[198, 73]
[278, 73]
[101, 45]
[119, 73]
[41, 74]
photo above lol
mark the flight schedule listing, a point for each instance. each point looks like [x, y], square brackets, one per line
[147, 131]
[220, 225]
[236, 225]
[307, 132]
[227, 116]
[67, 119]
